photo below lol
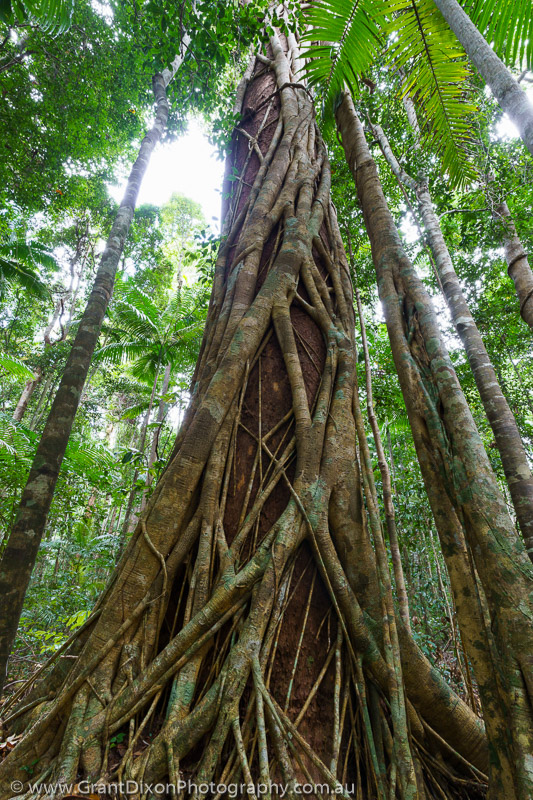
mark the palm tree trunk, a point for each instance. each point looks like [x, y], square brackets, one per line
[517, 263]
[501, 419]
[21, 550]
[469, 510]
[504, 87]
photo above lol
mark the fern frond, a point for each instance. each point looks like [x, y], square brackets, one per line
[437, 73]
[508, 26]
[16, 272]
[135, 411]
[120, 352]
[52, 16]
[351, 38]
[16, 367]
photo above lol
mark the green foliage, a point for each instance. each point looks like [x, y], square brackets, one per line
[417, 42]
[150, 337]
[71, 107]
[16, 367]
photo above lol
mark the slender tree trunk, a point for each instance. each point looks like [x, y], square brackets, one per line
[410, 110]
[130, 517]
[26, 395]
[23, 543]
[501, 419]
[512, 99]
[492, 593]
[248, 627]
[517, 263]
[155, 437]
[71, 293]
[390, 515]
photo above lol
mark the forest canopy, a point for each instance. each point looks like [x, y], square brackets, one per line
[266, 491]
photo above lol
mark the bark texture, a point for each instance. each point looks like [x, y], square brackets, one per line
[249, 632]
[491, 575]
[25, 537]
[504, 87]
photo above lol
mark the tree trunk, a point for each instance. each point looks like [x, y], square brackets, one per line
[501, 419]
[26, 395]
[233, 632]
[23, 544]
[130, 517]
[517, 263]
[492, 592]
[390, 515]
[512, 99]
[155, 437]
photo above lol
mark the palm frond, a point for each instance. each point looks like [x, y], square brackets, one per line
[52, 16]
[120, 352]
[132, 321]
[349, 32]
[29, 253]
[135, 411]
[16, 272]
[145, 367]
[16, 440]
[82, 458]
[508, 26]
[437, 72]
[128, 293]
[16, 367]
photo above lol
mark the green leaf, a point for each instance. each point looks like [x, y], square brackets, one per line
[14, 366]
[353, 31]
[135, 411]
[436, 78]
[508, 26]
